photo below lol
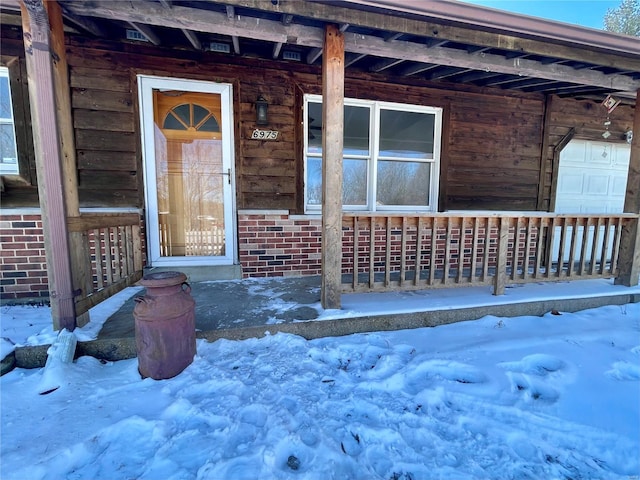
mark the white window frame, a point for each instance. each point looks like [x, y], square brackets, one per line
[374, 154]
[9, 168]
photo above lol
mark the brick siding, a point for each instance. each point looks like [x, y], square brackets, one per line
[23, 267]
[277, 245]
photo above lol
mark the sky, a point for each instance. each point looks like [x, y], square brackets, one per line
[587, 13]
[555, 396]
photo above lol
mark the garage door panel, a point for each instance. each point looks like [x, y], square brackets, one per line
[571, 184]
[592, 177]
[618, 185]
[597, 185]
[599, 154]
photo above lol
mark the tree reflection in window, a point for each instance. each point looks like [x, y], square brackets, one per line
[190, 116]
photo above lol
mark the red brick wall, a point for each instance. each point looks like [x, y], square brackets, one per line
[277, 244]
[23, 268]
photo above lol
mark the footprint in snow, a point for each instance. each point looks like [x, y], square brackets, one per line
[537, 364]
[528, 376]
[533, 388]
[624, 370]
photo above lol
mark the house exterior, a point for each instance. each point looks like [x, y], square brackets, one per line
[378, 144]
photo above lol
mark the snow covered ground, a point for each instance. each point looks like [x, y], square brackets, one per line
[546, 397]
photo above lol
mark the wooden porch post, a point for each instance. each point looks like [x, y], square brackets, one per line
[629, 259]
[332, 144]
[35, 24]
[78, 241]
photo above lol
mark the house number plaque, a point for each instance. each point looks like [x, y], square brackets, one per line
[264, 134]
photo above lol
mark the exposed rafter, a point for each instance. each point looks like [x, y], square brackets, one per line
[231, 13]
[461, 54]
[385, 64]
[193, 38]
[417, 68]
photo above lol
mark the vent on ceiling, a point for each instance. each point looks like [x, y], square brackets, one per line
[219, 47]
[295, 56]
[136, 35]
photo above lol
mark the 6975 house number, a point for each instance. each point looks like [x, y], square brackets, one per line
[264, 134]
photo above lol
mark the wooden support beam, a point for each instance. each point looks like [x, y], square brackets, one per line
[629, 257]
[332, 146]
[35, 25]
[79, 252]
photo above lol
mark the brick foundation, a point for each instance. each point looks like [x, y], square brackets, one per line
[23, 266]
[277, 244]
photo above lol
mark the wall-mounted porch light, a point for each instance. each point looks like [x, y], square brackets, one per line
[262, 108]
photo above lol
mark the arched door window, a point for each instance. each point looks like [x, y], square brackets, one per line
[191, 116]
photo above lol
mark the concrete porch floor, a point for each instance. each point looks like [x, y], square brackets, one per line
[240, 309]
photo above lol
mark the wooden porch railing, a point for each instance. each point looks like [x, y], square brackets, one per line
[109, 259]
[445, 250]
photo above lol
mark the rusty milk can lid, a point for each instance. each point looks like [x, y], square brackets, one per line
[163, 279]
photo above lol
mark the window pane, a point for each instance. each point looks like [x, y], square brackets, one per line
[314, 127]
[403, 183]
[7, 144]
[354, 182]
[406, 134]
[5, 98]
[211, 125]
[354, 191]
[356, 130]
[172, 123]
[199, 114]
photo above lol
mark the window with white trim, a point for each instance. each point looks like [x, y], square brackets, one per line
[391, 155]
[8, 150]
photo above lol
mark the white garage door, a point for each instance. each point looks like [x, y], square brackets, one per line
[592, 177]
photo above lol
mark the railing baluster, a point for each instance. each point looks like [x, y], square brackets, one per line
[372, 251]
[487, 250]
[108, 254]
[563, 237]
[501, 254]
[434, 247]
[416, 278]
[98, 245]
[574, 243]
[596, 240]
[403, 251]
[616, 246]
[516, 249]
[526, 274]
[461, 249]
[605, 245]
[585, 223]
[387, 265]
[474, 252]
[447, 252]
[356, 246]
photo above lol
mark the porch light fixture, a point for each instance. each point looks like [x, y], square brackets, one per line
[628, 136]
[261, 111]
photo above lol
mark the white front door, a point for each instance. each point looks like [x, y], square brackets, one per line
[188, 163]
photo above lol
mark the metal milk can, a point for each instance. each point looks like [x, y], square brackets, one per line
[165, 325]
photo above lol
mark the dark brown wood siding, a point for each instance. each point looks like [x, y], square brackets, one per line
[491, 146]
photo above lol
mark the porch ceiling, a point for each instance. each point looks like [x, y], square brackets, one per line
[441, 41]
